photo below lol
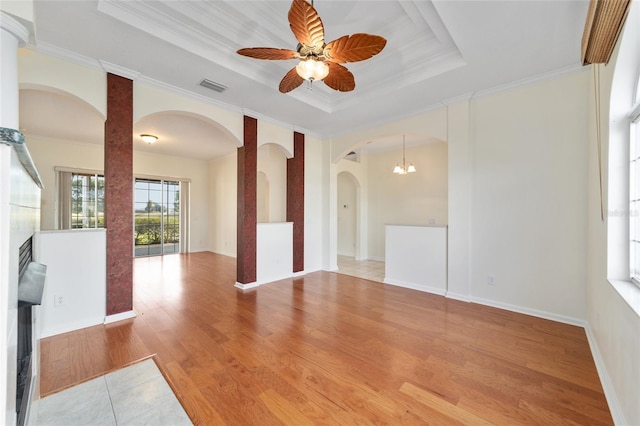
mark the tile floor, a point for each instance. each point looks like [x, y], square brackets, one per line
[135, 395]
[370, 269]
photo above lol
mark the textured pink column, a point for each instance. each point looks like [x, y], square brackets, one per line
[295, 199]
[118, 182]
[247, 211]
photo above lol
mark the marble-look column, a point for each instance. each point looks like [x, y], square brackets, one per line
[118, 182]
[247, 209]
[295, 200]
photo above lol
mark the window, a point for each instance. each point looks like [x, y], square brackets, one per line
[81, 200]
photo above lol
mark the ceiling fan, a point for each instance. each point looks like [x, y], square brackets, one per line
[318, 60]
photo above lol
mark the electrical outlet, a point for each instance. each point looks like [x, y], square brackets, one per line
[59, 301]
[491, 280]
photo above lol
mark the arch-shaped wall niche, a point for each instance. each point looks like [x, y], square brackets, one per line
[272, 162]
[269, 133]
[262, 198]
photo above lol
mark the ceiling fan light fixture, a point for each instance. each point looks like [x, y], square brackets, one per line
[312, 69]
[149, 138]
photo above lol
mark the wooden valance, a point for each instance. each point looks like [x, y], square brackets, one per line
[602, 28]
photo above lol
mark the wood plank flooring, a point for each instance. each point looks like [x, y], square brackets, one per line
[333, 349]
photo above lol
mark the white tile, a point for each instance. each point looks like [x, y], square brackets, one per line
[95, 413]
[132, 376]
[139, 399]
[72, 400]
[168, 413]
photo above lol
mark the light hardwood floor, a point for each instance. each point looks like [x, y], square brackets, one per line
[333, 349]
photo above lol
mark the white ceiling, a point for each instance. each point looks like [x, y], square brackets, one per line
[436, 51]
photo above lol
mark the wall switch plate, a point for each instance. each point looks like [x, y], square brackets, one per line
[491, 280]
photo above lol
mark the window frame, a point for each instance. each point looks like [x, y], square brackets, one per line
[634, 190]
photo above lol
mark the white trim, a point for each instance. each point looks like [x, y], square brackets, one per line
[457, 296]
[528, 311]
[53, 331]
[247, 286]
[119, 317]
[78, 170]
[607, 385]
[15, 28]
[531, 80]
[156, 177]
[426, 289]
[119, 70]
[629, 292]
[299, 274]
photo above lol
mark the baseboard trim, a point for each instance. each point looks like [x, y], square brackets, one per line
[607, 385]
[426, 289]
[247, 286]
[120, 316]
[299, 274]
[65, 328]
[457, 296]
[527, 311]
[378, 258]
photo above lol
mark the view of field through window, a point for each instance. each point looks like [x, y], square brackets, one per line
[157, 217]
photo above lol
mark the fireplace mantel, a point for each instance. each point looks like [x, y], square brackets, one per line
[15, 138]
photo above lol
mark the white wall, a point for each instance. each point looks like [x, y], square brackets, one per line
[613, 324]
[518, 179]
[274, 251]
[48, 153]
[223, 202]
[314, 206]
[418, 198]
[77, 273]
[529, 199]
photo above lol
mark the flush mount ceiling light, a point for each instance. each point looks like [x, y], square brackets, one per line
[404, 169]
[319, 61]
[149, 138]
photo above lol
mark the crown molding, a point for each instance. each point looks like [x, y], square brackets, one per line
[118, 70]
[570, 69]
[66, 55]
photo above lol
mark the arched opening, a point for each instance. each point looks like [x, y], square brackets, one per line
[348, 206]
[385, 198]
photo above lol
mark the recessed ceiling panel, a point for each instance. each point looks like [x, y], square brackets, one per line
[418, 44]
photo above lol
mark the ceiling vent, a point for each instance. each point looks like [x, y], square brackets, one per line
[213, 85]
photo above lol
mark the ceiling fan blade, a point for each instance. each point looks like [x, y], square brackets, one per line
[339, 78]
[357, 47]
[306, 25]
[268, 53]
[290, 81]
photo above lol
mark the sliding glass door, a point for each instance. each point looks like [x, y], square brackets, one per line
[157, 217]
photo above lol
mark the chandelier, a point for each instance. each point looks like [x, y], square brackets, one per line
[404, 169]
